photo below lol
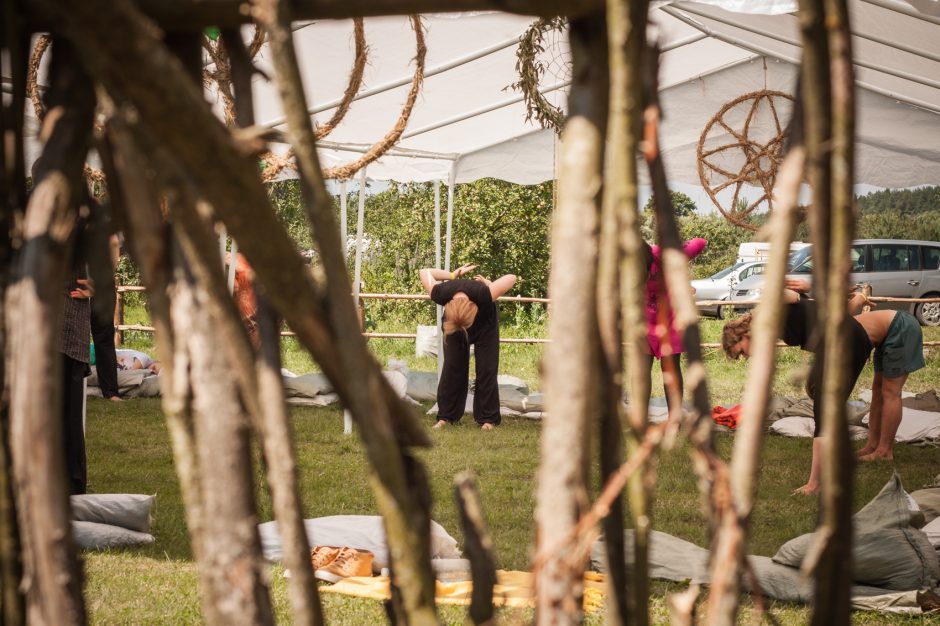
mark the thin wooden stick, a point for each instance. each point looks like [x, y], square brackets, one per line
[479, 546]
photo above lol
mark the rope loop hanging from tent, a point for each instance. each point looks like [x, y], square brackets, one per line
[742, 144]
[273, 164]
[531, 69]
[92, 175]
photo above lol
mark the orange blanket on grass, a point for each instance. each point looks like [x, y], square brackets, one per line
[727, 417]
[512, 589]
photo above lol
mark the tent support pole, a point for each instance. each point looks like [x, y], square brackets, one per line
[223, 239]
[437, 263]
[343, 235]
[450, 227]
[450, 213]
[357, 275]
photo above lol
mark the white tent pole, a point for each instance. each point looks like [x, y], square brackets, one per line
[437, 223]
[231, 267]
[437, 263]
[757, 49]
[343, 235]
[223, 239]
[679, 43]
[450, 213]
[756, 31]
[357, 272]
[359, 222]
[904, 9]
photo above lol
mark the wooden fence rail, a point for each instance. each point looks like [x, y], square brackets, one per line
[121, 327]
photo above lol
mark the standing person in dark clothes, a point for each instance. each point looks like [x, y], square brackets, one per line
[102, 330]
[76, 327]
[867, 331]
[470, 318]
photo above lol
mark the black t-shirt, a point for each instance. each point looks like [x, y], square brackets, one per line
[798, 323]
[479, 294]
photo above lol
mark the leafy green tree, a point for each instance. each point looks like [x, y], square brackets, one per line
[723, 240]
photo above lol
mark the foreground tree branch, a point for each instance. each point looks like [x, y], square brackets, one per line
[400, 481]
[52, 575]
[620, 290]
[834, 570]
[571, 358]
[193, 15]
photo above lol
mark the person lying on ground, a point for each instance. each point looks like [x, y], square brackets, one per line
[798, 330]
[136, 360]
[470, 318]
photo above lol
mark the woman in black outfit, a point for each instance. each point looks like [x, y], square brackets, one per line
[470, 317]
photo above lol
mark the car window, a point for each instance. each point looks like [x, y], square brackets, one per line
[798, 257]
[806, 267]
[723, 273]
[858, 258]
[931, 258]
[894, 258]
[758, 269]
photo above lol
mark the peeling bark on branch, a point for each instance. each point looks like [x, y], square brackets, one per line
[571, 358]
[52, 575]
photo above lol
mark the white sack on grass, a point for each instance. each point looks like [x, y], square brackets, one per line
[928, 501]
[426, 341]
[804, 427]
[399, 382]
[917, 426]
[325, 399]
[307, 386]
[422, 386]
[93, 536]
[128, 510]
[363, 532]
[932, 530]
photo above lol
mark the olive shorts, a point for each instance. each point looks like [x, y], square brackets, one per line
[902, 351]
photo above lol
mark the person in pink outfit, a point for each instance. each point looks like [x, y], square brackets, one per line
[668, 347]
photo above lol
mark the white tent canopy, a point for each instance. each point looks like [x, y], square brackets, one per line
[469, 124]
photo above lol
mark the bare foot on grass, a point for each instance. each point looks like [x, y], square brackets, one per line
[868, 449]
[487, 426]
[877, 455]
[440, 424]
[808, 489]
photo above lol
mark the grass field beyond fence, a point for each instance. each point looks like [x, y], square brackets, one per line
[129, 452]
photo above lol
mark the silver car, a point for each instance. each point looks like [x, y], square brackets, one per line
[721, 285]
[895, 268]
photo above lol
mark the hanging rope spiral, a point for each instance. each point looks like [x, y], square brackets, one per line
[752, 157]
[274, 164]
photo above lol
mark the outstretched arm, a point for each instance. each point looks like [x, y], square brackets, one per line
[501, 285]
[858, 301]
[430, 276]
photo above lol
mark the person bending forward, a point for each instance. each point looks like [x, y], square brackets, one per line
[470, 318]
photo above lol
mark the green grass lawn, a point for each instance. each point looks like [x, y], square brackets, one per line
[129, 451]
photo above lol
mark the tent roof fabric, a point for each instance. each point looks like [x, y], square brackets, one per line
[469, 124]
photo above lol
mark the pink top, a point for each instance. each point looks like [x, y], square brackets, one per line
[692, 249]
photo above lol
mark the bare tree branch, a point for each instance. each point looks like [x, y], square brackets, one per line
[479, 547]
[571, 359]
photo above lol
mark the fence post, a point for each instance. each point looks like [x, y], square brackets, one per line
[866, 289]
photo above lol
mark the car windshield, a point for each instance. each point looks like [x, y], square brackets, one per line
[797, 258]
[725, 271]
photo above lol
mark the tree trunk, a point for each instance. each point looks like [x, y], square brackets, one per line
[834, 571]
[620, 289]
[13, 43]
[571, 358]
[52, 575]
[407, 522]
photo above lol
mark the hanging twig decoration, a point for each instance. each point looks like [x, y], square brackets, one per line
[751, 157]
[273, 164]
[531, 69]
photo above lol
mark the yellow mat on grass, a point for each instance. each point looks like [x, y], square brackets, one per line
[512, 589]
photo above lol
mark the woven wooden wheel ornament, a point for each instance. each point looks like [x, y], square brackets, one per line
[743, 145]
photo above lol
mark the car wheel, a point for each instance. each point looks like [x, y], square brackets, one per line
[928, 313]
[719, 313]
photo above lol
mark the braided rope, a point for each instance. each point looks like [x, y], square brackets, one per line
[761, 160]
[221, 74]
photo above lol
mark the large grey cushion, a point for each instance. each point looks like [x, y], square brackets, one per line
[888, 551]
[128, 510]
[929, 502]
[307, 386]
